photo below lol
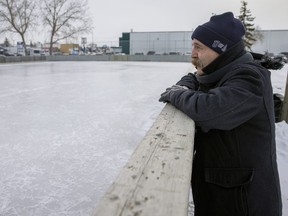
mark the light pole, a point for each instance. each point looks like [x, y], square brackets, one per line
[84, 42]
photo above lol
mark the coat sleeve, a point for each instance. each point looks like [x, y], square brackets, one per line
[225, 107]
[189, 81]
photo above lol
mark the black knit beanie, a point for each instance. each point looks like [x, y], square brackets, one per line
[220, 33]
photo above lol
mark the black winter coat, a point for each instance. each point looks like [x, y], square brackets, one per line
[234, 169]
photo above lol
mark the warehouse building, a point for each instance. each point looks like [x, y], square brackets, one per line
[179, 42]
[274, 41]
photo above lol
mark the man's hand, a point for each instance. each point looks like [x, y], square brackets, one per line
[166, 96]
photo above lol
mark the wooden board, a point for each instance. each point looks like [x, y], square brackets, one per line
[156, 179]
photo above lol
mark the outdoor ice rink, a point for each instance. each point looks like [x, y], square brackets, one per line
[67, 129]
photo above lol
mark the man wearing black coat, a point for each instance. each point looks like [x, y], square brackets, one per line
[230, 99]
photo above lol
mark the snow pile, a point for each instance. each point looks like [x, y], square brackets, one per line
[278, 78]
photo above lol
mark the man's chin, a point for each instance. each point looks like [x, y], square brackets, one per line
[197, 66]
[196, 63]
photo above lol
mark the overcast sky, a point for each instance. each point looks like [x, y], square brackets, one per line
[112, 17]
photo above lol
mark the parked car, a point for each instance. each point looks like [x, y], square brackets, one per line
[5, 52]
[189, 53]
[57, 53]
[8, 54]
[2, 50]
[281, 57]
[151, 53]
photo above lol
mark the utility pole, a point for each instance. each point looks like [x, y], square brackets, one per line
[284, 113]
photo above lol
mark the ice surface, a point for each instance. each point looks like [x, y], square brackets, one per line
[67, 129]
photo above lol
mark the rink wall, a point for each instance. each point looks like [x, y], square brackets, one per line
[156, 179]
[15, 59]
[156, 58]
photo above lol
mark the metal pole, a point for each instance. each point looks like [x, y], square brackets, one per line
[284, 113]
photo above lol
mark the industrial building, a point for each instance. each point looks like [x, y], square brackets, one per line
[179, 42]
[69, 48]
[274, 41]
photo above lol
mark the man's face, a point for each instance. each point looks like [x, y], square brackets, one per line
[202, 55]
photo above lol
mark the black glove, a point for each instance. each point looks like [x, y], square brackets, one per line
[189, 81]
[166, 96]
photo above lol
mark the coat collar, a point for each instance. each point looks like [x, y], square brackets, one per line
[218, 74]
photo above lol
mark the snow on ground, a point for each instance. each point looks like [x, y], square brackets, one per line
[67, 129]
[279, 78]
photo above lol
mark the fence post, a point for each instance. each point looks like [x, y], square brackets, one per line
[284, 113]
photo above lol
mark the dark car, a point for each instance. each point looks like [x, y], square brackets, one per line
[8, 54]
[151, 53]
[5, 52]
[281, 57]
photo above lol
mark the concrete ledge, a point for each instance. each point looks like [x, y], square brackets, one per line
[156, 179]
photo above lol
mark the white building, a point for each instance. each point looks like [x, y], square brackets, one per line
[274, 41]
[160, 42]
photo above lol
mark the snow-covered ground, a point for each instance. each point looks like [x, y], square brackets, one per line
[279, 78]
[67, 129]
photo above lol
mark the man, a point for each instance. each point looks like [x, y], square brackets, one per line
[230, 99]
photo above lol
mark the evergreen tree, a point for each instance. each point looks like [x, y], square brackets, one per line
[6, 42]
[247, 20]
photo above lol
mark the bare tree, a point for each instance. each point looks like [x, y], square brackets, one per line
[65, 19]
[17, 16]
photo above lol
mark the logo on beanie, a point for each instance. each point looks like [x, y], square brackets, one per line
[218, 44]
